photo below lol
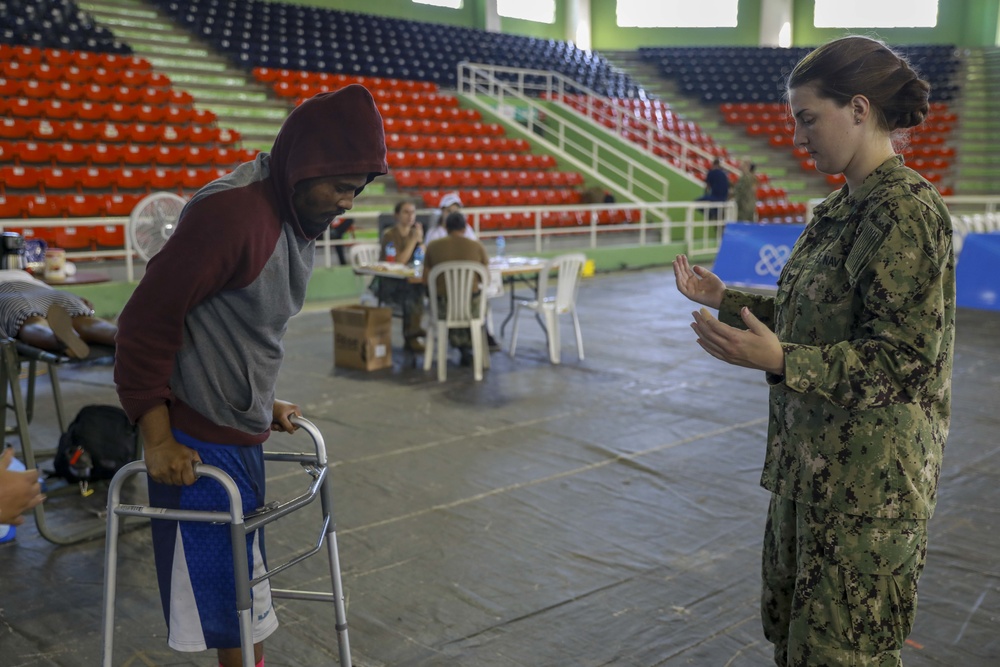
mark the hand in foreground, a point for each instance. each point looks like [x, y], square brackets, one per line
[19, 491]
[170, 462]
[758, 347]
[697, 283]
[281, 415]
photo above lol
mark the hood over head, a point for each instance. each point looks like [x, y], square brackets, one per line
[330, 134]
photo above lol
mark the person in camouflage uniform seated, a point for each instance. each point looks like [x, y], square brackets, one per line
[857, 348]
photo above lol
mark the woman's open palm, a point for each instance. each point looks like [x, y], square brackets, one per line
[697, 283]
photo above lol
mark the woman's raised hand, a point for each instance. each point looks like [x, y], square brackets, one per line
[697, 283]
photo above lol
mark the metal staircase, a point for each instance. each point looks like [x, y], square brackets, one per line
[780, 166]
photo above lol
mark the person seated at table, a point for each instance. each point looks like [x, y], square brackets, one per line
[406, 236]
[49, 319]
[456, 247]
[450, 203]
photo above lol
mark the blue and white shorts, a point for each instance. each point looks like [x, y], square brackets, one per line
[194, 561]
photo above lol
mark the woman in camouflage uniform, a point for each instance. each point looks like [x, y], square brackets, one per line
[857, 349]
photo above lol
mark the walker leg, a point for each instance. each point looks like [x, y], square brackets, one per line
[343, 642]
[244, 605]
[110, 573]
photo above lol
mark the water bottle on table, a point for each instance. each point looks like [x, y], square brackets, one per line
[418, 261]
[501, 246]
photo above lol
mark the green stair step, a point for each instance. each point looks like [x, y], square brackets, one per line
[138, 36]
[180, 64]
[249, 127]
[207, 80]
[229, 97]
[128, 12]
[258, 114]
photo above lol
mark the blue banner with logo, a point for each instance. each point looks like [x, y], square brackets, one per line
[752, 255]
[977, 276]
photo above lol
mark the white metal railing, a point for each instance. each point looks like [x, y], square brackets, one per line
[651, 226]
[676, 153]
[958, 205]
[481, 85]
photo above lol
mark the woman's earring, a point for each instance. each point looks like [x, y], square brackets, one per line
[857, 120]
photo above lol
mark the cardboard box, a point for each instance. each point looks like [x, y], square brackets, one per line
[362, 337]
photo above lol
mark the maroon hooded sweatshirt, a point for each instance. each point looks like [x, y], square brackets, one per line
[202, 332]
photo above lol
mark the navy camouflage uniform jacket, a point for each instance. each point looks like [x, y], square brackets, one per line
[865, 312]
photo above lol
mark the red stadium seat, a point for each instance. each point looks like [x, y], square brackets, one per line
[24, 107]
[79, 131]
[68, 153]
[46, 130]
[42, 206]
[164, 179]
[137, 154]
[95, 178]
[120, 113]
[83, 206]
[34, 152]
[175, 135]
[130, 179]
[193, 179]
[36, 90]
[119, 204]
[105, 154]
[11, 206]
[141, 133]
[19, 178]
[145, 113]
[15, 128]
[58, 179]
[168, 155]
[55, 109]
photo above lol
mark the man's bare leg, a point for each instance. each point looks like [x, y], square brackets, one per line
[233, 657]
[94, 330]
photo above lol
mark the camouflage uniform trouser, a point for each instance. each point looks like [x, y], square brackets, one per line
[839, 590]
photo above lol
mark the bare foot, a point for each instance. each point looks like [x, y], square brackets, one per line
[62, 326]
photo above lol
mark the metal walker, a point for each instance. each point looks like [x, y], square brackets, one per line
[315, 465]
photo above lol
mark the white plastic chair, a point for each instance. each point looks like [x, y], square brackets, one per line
[568, 268]
[363, 254]
[460, 280]
[494, 290]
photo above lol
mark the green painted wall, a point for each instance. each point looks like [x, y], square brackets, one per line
[606, 34]
[966, 23]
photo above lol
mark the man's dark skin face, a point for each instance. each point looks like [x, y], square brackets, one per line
[318, 201]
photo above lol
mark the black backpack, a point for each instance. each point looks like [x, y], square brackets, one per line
[98, 442]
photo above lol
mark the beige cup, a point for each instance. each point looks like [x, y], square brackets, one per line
[55, 264]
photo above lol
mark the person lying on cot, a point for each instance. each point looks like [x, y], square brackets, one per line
[49, 319]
